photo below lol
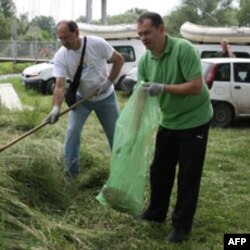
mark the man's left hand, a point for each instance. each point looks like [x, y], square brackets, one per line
[153, 88]
[104, 86]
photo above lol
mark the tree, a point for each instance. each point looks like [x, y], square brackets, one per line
[46, 24]
[243, 14]
[213, 12]
[5, 33]
[22, 24]
[222, 17]
[178, 17]
[203, 12]
[7, 8]
[32, 34]
[7, 15]
[130, 16]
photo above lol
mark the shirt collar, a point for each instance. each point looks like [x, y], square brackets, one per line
[167, 49]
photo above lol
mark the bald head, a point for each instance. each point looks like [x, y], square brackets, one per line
[68, 33]
[71, 26]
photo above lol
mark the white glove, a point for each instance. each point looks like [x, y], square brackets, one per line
[153, 88]
[104, 87]
[53, 115]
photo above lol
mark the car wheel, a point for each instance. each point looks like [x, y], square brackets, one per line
[223, 115]
[50, 85]
[127, 85]
[118, 84]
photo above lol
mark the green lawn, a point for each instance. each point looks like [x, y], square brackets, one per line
[40, 210]
[11, 68]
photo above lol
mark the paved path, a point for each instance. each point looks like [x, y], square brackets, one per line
[3, 77]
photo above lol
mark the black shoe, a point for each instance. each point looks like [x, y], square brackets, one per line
[149, 216]
[177, 235]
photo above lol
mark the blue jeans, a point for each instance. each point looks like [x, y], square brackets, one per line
[107, 112]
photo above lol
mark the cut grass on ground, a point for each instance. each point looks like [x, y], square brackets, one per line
[41, 210]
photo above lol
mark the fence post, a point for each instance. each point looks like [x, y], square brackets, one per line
[13, 49]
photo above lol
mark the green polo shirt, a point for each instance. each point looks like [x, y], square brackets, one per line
[179, 63]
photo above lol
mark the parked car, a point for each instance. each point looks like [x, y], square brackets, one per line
[229, 82]
[128, 82]
[131, 50]
[40, 76]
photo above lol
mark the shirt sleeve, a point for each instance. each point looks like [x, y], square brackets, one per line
[190, 62]
[59, 69]
[105, 49]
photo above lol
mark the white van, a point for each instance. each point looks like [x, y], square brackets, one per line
[131, 50]
[40, 76]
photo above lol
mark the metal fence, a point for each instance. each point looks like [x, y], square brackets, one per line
[27, 50]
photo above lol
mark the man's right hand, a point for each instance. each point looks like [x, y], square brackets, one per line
[53, 115]
[104, 87]
[153, 88]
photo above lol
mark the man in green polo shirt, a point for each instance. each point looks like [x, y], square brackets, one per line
[170, 70]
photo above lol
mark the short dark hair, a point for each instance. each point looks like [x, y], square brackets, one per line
[72, 25]
[155, 18]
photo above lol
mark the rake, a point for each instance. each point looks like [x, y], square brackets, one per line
[31, 131]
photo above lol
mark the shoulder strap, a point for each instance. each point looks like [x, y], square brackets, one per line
[74, 85]
[83, 50]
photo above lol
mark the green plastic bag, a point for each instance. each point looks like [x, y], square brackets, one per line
[131, 154]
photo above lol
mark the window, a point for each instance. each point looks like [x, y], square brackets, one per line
[209, 54]
[127, 52]
[242, 54]
[242, 72]
[223, 72]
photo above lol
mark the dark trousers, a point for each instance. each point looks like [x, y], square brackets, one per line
[187, 149]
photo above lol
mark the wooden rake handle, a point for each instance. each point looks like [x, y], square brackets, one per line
[46, 122]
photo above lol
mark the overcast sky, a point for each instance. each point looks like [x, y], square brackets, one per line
[72, 9]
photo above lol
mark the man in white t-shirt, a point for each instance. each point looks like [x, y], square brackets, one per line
[94, 75]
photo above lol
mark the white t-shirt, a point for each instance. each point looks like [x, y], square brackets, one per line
[95, 69]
